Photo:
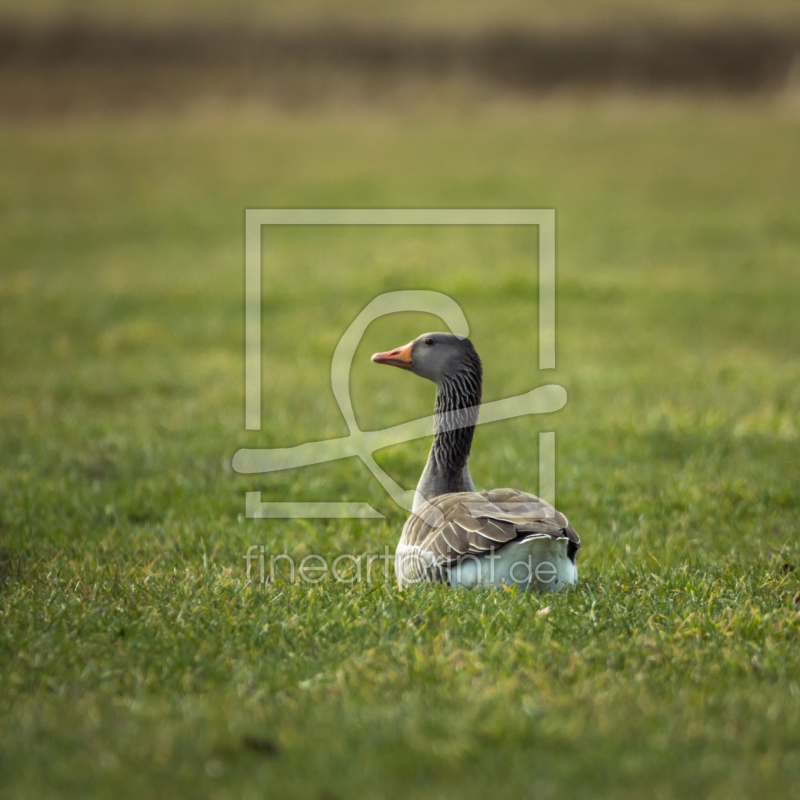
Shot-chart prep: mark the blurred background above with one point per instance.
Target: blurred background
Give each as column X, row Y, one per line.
column 66, row 57
column 133, row 139
column 665, row 135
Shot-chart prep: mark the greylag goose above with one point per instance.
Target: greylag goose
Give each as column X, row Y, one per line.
column 455, row 535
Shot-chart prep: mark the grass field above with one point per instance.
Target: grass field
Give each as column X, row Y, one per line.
column 135, row 659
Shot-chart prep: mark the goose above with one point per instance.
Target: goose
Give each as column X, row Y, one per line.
column 455, row 535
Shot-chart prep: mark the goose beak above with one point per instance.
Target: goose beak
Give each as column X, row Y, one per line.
column 400, row 357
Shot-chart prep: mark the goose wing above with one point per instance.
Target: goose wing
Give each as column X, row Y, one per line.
column 475, row 523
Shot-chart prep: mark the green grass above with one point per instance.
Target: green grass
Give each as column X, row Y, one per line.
column 135, row 660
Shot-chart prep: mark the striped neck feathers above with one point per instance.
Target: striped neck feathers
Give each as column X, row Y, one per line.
column 458, row 397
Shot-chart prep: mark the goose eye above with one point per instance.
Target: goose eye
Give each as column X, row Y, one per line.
column 429, row 342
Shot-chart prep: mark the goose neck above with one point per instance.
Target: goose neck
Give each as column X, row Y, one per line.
column 455, row 415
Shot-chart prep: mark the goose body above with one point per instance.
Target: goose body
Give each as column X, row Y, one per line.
column 455, row 535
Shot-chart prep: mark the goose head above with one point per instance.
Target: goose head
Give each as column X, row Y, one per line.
column 439, row 357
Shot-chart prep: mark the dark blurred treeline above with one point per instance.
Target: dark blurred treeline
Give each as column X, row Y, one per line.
column 62, row 66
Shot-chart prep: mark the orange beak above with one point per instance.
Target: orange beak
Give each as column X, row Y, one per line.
column 401, row 357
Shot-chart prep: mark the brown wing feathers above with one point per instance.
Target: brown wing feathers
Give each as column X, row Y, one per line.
column 477, row 522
